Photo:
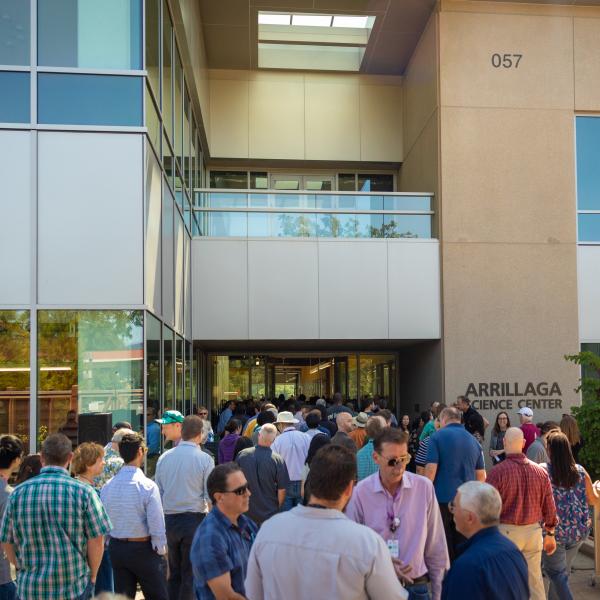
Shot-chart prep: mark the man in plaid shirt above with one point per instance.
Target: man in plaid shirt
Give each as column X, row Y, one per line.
column 52, row 530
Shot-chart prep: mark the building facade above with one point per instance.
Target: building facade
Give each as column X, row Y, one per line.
column 202, row 201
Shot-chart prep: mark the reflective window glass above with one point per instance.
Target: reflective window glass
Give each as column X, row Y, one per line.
column 259, row 181
column 226, row 224
column 407, row 203
column 218, row 200
column 167, row 77
column 186, row 165
column 375, row 183
column 153, row 45
column 282, row 225
column 88, row 33
column 406, row 226
column 14, row 33
column 168, row 161
column 179, row 374
column 14, row 373
column 188, row 375
column 168, row 351
column 178, row 104
column 89, row 99
column 154, row 390
column 153, row 122
column 229, row 180
column 589, row 227
column 89, row 361
column 588, row 163
column 14, row 97
column 346, row 182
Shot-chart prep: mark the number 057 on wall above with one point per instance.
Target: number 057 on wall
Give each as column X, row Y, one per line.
column 506, row 61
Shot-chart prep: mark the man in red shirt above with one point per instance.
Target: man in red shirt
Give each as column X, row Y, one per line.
column 527, row 501
column 529, row 429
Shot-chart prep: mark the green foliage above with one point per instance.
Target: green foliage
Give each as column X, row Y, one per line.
column 588, row 414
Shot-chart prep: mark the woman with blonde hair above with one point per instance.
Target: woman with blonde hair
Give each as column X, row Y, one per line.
column 569, row 427
column 87, row 464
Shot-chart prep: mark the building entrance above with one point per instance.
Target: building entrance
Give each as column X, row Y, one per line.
column 267, row 376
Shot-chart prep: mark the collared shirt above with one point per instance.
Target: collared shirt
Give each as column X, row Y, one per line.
column 428, row 429
column 490, row 566
column 134, row 507
column 153, row 437
column 458, row 455
column 365, row 465
column 293, row 446
column 420, row 532
column 311, row 433
column 526, row 491
column 320, row 553
column 224, row 418
column 359, row 436
column 5, row 492
column 537, row 452
column 220, row 547
column 181, row 475
column 49, row 519
column 112, row 463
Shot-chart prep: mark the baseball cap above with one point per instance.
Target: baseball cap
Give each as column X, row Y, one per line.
column 170, row 416
column 526, row 411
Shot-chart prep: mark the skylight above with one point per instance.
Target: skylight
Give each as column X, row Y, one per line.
column 273, row 19
column 312, row 20
column 307, row 20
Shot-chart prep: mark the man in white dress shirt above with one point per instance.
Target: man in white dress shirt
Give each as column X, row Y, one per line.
column 292, row 445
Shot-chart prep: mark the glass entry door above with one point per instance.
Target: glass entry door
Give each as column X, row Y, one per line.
column 311, row 183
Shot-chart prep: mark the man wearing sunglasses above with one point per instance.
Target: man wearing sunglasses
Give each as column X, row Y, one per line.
column 401, row 507
column 222, row 542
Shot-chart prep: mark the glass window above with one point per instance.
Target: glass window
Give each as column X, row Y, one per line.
column 588, row 163
column 168, row 350
column 406, row 226
column 167, row 78
column 226, row 224
column 230, row 379
column 153, row 45
column 89, row 99
column 378, row 378
column 153, row 123
column 229, row 180
column 178, row 103
column 154, row 390
column 14, row 98
column 179, row 374
column 259, row 181
column 188, row 376
column 89, row 362
column 589, row 227
column 186, row 165
column 14, row 373
column 168, row 161
column 347, row 182
column 91, row 34
column 14, row 33
column 282, row 225
column 407, row 203
column 375, row 183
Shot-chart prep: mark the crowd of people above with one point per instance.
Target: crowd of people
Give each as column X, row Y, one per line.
column 299, row 499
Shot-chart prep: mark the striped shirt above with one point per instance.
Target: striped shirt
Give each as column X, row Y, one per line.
column 49, row 520
column 365, row 465
column 134, row 507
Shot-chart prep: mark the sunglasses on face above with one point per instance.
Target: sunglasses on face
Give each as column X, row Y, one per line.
column 238, row 491
column 395, row 462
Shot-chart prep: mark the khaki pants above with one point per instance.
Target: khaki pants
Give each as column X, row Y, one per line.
column 528, row 539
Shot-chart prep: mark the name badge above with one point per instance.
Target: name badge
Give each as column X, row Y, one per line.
column 393, row 548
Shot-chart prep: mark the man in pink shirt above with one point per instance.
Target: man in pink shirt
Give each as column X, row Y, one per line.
column 402, row 508
column 529, row 429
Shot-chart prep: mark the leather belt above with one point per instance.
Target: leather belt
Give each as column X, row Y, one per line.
column 140, row 539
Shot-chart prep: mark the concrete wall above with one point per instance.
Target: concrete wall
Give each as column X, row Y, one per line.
column 305, row 116
column 508, row 218
column 309, row 289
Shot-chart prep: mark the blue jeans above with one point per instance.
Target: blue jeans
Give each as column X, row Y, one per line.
column 104, row 579
column 88, row 592
column 418, row 592
column 292, row 495
column 557, row 568
column 8, row 591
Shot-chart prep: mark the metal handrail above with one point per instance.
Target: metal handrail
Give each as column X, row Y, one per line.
column 328, row 211
column 310, row 192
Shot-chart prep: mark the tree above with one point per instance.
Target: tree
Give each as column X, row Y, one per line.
column 588, row 414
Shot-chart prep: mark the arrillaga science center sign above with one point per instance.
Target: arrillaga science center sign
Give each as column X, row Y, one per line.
column 512, row 396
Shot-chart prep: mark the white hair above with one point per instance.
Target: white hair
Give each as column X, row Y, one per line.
column 268, row 432
column 482, row 499
column 119, row 433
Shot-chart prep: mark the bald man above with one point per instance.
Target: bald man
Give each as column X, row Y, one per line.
column 527, row 501
column 345, row 424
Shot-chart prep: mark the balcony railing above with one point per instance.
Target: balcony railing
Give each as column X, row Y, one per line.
column 276, row 214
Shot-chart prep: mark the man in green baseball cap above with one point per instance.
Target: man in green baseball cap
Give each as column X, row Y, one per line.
column 171, row 426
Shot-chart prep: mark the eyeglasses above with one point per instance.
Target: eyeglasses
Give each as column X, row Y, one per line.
column 394, row 462
column 238, row 491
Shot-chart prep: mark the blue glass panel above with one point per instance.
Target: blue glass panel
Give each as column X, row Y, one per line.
column 99, row 35
column 589, row 227
column 282, row 225
column 258, row 200
column 224, row 200
column 227, row 224
column 407, row 203
column 407, row 226
column 588, row 163
column 89, row 99
column 14, row 97
column 292, row 201
column 15, row 46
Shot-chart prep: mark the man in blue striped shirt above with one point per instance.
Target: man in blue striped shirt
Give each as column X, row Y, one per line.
column 138, row 539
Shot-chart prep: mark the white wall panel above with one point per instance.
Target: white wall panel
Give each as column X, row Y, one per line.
column 179, row 271
column 188, row 287
column 283, row 289
column 90, row 218
column 588, row 273
column 168, row 241
column 220, row 289
column 153, row 243
column 353, row 290
column 414, row 290
column 15, row 217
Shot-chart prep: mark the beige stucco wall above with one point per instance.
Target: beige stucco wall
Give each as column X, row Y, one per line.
column 508, row 201
column 305, row 116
